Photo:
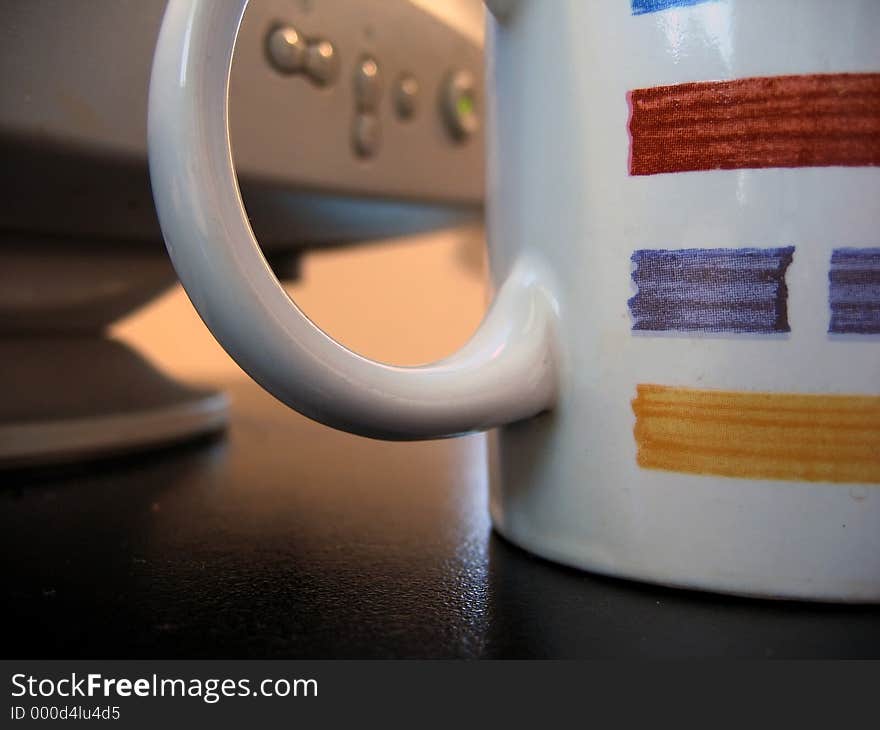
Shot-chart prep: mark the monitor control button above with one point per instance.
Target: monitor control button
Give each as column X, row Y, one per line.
column 367, row 84
column 286, row 49
column 322, row 62
column 458, row 103
column 406, row 96
column 367, row 134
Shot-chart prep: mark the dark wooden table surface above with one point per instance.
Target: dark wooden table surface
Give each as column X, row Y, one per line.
column 286, row 539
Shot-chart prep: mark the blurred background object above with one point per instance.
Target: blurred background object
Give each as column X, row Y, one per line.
column 406, row 302
column 80, row 246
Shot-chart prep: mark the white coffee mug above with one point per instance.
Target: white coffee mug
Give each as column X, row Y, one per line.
column 682, row 358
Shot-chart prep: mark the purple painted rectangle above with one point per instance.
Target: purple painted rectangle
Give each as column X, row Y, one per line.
column 640, row 7
column 854, row 291
column 739, row 290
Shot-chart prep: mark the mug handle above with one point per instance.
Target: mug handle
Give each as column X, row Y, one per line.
column 506, row 371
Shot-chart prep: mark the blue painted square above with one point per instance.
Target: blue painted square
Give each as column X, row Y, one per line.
column 738, row 290
column 640, row 7
column 854, row 291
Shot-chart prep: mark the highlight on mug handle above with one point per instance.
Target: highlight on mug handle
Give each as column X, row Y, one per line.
column 506, row 371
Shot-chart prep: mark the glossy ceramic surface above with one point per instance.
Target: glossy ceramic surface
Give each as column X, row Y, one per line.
column 569, row 484
column 503, row 374
column 588, row 205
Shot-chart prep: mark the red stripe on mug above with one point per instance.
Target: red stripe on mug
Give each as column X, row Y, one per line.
column 779, row 121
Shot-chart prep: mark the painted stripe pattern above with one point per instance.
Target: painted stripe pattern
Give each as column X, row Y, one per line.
column 739, row 290
column 640, row 7
column 833, row 438
column 781, row 121
column 854, row 291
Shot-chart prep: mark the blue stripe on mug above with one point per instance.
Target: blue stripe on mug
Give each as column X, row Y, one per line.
column 854, row 292
column 740, row 290
column 640, row 7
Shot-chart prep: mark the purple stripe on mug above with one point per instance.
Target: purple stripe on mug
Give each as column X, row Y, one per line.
column 854, row 291
column 739, row 290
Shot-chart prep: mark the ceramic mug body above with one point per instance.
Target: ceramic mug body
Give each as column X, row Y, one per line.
column 682, row 357
column 701, row 179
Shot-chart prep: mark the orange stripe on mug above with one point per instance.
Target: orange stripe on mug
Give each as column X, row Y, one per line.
column 802, row 437
column 778, row 121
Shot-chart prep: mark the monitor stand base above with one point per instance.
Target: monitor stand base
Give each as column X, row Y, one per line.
column 72, row 398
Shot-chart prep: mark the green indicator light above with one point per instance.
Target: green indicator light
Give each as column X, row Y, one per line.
column 464, row 105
